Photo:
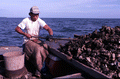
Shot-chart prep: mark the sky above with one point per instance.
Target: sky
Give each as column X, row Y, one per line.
column 62, row 8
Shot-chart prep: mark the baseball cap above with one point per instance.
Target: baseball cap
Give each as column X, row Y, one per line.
column 34, row 10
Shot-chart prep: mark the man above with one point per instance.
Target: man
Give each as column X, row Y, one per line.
column 35, row 50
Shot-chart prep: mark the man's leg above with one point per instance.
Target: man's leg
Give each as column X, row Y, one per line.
column 36, row 53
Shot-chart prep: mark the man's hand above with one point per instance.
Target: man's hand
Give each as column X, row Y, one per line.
column 49, row 37
column 28, row 35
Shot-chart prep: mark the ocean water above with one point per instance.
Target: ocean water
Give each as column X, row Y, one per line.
column 62, row 28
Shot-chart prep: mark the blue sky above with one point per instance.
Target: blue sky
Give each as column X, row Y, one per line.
column 62, row 8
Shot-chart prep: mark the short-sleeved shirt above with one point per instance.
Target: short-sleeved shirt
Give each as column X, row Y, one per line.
column 31, row 27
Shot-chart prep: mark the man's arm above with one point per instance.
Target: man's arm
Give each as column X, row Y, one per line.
column 18, row 29
column 46, row 27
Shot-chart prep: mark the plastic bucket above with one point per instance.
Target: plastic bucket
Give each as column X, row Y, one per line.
column 14, row 60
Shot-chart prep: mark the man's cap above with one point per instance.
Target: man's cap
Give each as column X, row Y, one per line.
column 34, row 10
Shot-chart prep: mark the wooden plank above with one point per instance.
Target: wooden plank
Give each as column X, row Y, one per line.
column 76, row 75
column 92, row 72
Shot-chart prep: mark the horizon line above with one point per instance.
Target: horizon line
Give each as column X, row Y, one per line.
column 64, row 17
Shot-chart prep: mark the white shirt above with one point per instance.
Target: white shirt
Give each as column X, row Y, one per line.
column 31, row 27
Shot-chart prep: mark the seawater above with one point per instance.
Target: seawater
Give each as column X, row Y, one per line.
column 62, row 28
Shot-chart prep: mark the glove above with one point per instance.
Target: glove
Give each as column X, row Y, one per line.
column 49, row 37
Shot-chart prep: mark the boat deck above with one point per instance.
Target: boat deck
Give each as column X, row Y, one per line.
column 29, row 68
column 70, row 66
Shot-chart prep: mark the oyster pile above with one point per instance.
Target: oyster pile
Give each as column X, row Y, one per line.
column 99, row 50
